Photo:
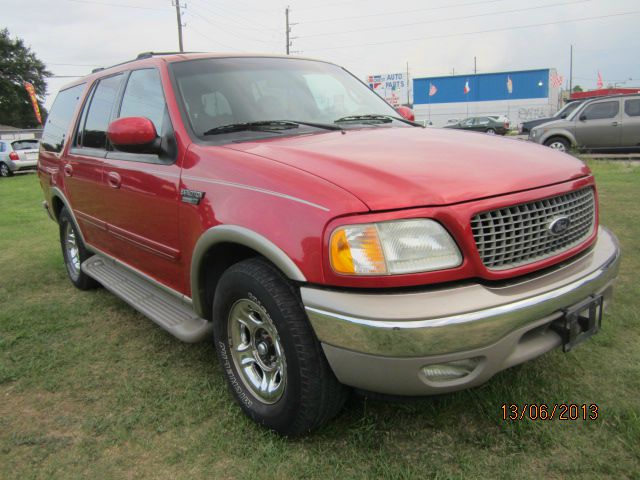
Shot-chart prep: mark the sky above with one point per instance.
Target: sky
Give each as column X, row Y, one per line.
column 434, row 37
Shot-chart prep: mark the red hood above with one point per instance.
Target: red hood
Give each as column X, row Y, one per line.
column 390, row 168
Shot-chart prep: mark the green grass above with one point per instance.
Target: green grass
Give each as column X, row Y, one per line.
column 91, row 389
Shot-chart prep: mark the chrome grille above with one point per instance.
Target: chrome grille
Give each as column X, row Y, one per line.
column 513, row 236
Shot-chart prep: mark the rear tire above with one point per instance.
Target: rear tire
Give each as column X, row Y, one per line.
column 74, row 252
column 558, row 143
column 5, row 171
column 273, row 363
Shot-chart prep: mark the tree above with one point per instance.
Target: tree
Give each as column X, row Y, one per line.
column 577, row 88
column 18, row 64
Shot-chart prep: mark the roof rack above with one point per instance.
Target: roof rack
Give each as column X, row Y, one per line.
column 153, row 54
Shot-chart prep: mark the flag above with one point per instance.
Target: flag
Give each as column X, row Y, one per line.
column 509, row 84
column 556, row 80
column 432, row 89
column 466, row 87
column 34, row 101
column 600, row 82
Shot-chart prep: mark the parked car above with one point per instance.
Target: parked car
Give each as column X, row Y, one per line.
column 17, row 155
column 607, row 123
column 489, row 124
column 279, row 208
column 564, row 112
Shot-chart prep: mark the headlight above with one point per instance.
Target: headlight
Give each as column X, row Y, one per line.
column 391, row 248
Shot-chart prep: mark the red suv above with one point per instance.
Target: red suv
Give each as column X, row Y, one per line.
column 281, row 208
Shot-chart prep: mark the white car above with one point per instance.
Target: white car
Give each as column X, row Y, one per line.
column 18, row 155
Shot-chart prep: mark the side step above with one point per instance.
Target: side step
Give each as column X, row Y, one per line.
column 163, row 308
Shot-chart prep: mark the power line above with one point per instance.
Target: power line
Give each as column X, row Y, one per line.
column 447, row 35
column 231, row 32
column 108, row 4
column 72, row 64
column 212, row 40
column 503, row 12
column 234, row 18
column 388, row 14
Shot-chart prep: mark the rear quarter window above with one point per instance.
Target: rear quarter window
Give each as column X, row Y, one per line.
column 60, row 117
column 632, row 107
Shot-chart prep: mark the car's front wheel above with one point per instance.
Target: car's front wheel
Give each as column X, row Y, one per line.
column 5, row 171
column 490, row 131
column 558, row 143
column 273, row 363
column 74, row 252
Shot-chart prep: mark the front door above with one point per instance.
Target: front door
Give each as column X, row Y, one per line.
column 631, row 123
column 598, row 125
column 142, row 190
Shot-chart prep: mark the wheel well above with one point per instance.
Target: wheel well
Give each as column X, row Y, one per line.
column 217, row 259
column 561, row 137
column 56, row 206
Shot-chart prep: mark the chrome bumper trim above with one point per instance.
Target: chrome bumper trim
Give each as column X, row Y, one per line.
column 466, row 317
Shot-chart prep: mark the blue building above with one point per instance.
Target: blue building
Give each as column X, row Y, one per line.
column 520, row 95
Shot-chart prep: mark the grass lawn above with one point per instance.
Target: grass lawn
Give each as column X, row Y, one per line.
column 91, row 389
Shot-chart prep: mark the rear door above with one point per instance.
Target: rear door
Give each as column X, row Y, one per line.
column 598, row 124
column 141, row 191
column 631, row 123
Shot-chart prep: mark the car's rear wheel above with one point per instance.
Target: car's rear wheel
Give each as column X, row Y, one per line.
column 273, row 363
column 5, row 171
column 74, row 252
column 558, row 143
column 490, row 131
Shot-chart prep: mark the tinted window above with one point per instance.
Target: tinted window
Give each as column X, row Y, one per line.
column 94, row 133
column 25, row 145
column 143, row 97
column 2, row 147
column 60, row 117
column 602, row 110
column 632, row 107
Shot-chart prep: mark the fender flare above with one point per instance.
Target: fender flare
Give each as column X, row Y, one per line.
column 241, row 236
column 559, row 133
column 56, row 192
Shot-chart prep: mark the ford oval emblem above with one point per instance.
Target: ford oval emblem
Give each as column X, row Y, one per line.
column 559, row 225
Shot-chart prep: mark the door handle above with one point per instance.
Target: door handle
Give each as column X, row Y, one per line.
column 114, row 180
column 614, row 124
column 68, row 170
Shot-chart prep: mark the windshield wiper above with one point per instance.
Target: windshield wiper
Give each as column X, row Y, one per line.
column 268, row 126
column 382, row 118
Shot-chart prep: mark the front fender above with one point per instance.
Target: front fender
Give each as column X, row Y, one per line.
column 241, row 236
column 558, row 132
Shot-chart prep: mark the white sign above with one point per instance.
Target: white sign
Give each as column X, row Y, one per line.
column 392, row 87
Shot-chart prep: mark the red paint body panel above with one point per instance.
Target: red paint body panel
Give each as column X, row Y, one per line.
column 295, row 190
column 132, row 131
column 395, row 168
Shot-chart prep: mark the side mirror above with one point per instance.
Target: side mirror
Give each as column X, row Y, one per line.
column 406, row 112
column 134, row 135
column 564, row 115
column 583, row 117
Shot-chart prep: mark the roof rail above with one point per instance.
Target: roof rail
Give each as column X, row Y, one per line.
column 97, row 69
column 153, row 54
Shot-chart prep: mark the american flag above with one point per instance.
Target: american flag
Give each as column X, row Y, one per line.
column 556, row 80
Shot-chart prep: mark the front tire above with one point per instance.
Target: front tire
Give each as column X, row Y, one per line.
column 490, row 131
column 273, row 363
column 558, row 143
column 5, row 171
column 74, row 252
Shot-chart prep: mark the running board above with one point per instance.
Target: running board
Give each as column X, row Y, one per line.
column 163, row 308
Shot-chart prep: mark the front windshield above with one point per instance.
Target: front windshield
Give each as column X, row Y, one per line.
column 566, row 110
column 223, row 91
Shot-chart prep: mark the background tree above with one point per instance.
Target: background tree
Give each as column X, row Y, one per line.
column 577, row 88
column 18, row 64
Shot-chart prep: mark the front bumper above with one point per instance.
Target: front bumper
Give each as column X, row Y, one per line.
column 381, row 342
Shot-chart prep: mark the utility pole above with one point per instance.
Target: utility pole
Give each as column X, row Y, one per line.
column 287, row 27
column 179, row 18
column 475, row 66
column 408, row 83
column 571, row 71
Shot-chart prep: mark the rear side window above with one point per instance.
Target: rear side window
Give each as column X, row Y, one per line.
column 94, row 132
column 2, row 147
column 60, row 117
column 602, row 110
column 632, row 107
column 25, row 145
column 143, row 97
